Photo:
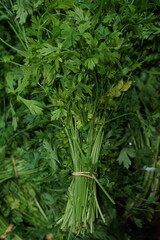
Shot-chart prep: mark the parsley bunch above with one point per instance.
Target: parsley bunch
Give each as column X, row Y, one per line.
column 67, row 71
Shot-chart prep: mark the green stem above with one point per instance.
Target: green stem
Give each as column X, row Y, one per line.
column 24, row 46
column 40, row 209
column 123, row 115
column 106, row 193
column 7, row 44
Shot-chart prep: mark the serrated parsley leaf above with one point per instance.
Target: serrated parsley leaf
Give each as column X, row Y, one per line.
column 32, row 105
column 125, row 155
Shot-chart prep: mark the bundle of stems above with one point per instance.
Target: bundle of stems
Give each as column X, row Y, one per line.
column 12, row 168
column 83, row 208
column 151, row 181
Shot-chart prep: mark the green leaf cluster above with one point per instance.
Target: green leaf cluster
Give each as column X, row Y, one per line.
column 79, row 91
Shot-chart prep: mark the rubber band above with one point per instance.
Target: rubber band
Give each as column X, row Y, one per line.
column 85, row 174
column 9, row 229
column 49, row 236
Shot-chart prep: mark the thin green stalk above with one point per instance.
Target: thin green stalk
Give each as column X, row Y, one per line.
column 99, row 209
column 106, row 193
column 120, row 116
column 24, row 46
column 7, row 44
column 40, row 209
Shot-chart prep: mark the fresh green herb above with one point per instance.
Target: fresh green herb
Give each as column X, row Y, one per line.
column 79, row 93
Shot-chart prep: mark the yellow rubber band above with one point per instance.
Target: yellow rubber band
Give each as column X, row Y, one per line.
column 9, row 229
column 85, row 174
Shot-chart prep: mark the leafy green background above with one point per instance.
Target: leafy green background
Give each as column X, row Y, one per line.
column 57, row 57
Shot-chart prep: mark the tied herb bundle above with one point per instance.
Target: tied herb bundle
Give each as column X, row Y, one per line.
column 73, row 61
column 145, row 145
column 82, row 208
column 11, row 168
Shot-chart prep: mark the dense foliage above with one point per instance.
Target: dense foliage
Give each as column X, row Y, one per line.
column 79, row 92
